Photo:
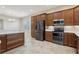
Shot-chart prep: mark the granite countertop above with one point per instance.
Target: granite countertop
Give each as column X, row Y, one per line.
column 10, row 31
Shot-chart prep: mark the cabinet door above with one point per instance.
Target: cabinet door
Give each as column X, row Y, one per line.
column 33, row 22
column 69, row 39
column 33, row 26
column 58, row 15
column 49, row 21
column 48, row 36
column 72, row 40
column 42, row 17
column 66, row 39
column 76, row 16
column 38, row 17
column 68, row 16
column 3, row 45
column 77, row 46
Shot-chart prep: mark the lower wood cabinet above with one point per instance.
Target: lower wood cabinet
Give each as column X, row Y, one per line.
column 3, row 43
column 10, row 41
column 48, row 36
column 70, row 39
column 77, row 46
column 14, row 40
column 33, row 33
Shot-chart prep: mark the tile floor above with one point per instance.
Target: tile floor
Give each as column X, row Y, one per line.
column 41, row 47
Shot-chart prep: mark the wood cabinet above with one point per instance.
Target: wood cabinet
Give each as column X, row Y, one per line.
column 76, row 15
column 70, row 39
column 48, row 36
column 3, row 44
column 68, row 16
column 0, row 46
column 9, row 41
column 42, row 16
column 14, row 40
column 33, row 26
column 58, row 15
column 77, row 46
column 49, row 21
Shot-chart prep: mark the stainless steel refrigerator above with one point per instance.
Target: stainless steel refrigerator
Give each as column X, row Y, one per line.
column 40, row 30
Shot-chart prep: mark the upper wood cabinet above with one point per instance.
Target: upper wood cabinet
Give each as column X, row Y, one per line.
column 76, row 15
column 58, row 15
column 49, row 21
column 33, row 25
column 42, row 17
column 33, row 22
column 68, row 16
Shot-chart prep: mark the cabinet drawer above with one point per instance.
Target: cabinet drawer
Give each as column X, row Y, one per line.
column 10, row 36
column 13, row 45
column 20, row 35
column 13, row 37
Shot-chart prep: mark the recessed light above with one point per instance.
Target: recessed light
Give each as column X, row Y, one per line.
column 3, row 6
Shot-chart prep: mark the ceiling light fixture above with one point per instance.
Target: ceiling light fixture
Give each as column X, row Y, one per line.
column 11, row 20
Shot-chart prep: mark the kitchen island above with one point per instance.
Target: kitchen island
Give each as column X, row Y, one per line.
column 11, row 39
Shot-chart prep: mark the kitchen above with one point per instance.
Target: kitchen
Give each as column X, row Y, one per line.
column 55, row 26
column 61, row 27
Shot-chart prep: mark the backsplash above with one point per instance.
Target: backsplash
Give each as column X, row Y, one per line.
column 70, row 29
column 49, row 28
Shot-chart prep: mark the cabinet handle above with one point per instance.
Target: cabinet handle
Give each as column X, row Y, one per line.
column 0, row 41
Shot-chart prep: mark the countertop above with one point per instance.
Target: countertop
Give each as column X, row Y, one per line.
column 67, row 29
column 10, row 31
column 75, row 32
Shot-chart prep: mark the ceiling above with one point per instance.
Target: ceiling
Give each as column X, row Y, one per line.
column 23, row 10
